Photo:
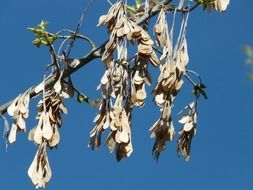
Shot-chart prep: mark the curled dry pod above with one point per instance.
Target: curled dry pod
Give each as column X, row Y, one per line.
column 13, row 133
column 221, row 5
column 141, row 93
column 154, row 59
column 38, row 135
column 111, row 142
column 12, row 108
column 184, row 119
column 39, row 171
column 145, row 49
column 47, row 131
column 57, row 85
column 159, row 99
column 31, row 134
column 21, row 123
column 102, row 20
column 54, row 141
column 188, row 126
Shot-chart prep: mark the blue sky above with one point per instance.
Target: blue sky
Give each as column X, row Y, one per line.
column 221, row 156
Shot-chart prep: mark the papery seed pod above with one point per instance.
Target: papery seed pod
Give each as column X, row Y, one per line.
column 39, row 171
column 19, row 110
column 50, row 111
column 221, row 5
column 189, row 120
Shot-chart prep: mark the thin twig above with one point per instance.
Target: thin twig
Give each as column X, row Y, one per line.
column 80, row 36
column 78, row 28
column 109, row 2
column 187, row 9
column 53, row 53
column 190, row 80
column 196, row 74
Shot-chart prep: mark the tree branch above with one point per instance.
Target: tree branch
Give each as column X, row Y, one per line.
column 92, row 44
column 76, row 64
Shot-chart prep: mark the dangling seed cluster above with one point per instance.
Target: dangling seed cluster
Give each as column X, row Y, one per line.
column 123, row 87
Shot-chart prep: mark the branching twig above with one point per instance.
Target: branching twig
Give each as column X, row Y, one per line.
column 78, row 28
column 196, row 74
column 80, row 36
column 190, row 80
column 184, row 10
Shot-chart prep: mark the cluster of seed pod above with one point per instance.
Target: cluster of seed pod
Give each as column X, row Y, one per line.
column 49, row 115
column 123, row 87
column 115, row 82
column 189, row 120
column 46, row 133
column 40, row 171
column 19, row 110
column 173, row 65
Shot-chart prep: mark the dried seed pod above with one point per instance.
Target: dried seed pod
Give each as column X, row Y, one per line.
column 189, row 120
column 49, row 120
column 114, row 83
column 221, row 5
column 19, row 110
column 173, row 66
column 162, row 131
column 39, row 171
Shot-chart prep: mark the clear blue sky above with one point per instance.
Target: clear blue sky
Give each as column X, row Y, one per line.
column 221, row 156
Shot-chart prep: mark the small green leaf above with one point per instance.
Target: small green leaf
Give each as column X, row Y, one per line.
column 199, row 89
column 195, row 92
column 44, row 42
column 31, row 29
column 43, row 25
column 130, row 8
column 81, row 98
column 138, row 3
column 42, row 37
column 202, row 85
column 37, row 42
column 55, row 37
column 203, row 93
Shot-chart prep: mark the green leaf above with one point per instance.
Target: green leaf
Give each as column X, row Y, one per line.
column 43, row 25
column 31, row 29
column 199, row 89
column 203, row 93
column 130, row 8
column 37, row 42
column 42, row 37
column 138, row 3
column 202, row 85
column 81, row 98
column 55, row 37
column 44, row 42
column 195, row 92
